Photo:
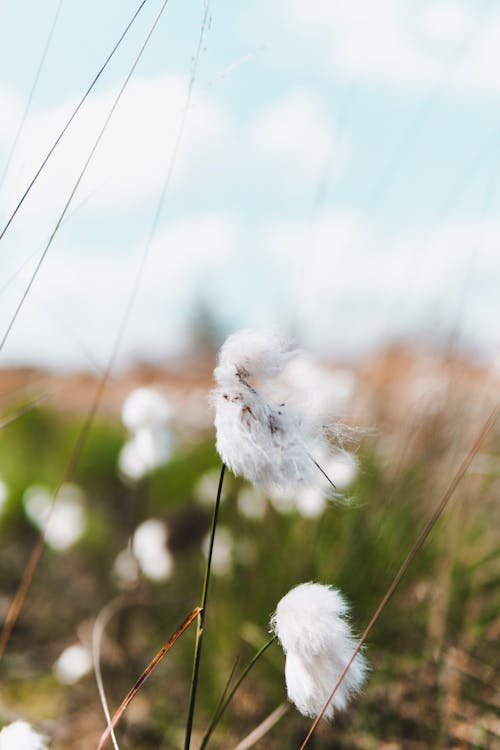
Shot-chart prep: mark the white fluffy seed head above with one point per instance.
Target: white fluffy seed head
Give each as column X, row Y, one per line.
column 261, row 438
column 312, row 626
column 257, row 354
column 20, row 736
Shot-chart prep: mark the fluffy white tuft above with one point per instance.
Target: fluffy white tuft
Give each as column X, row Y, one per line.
column 312, row 626
column 146, row 414
column 145, row 408
column 20, row 736
column 258, row 436
column 254, row 353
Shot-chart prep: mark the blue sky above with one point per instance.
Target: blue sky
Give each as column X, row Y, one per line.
column 337, row 172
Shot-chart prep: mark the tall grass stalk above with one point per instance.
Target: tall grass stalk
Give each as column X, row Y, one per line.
column 227, row 700
column 487, row 427
column 101, row 621
column 81, row 175
column 264, row 727
column 144, row 676
column 201, row 618
column 20, row 595
column 31, row 94
column 70, row 120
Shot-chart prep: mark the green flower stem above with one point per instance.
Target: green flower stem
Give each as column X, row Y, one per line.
column 219, row 712
column 201, row 618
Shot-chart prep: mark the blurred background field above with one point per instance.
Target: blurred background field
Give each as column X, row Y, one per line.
column 433, row 653
column 329, row 169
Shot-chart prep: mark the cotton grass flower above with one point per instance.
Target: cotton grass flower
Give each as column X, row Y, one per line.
column 259, row 436
column 311, row 623
column 73, row 664
column 146, row 414
column 20, row 736
column 149, row 545
column 145, row 408
column 66, row 518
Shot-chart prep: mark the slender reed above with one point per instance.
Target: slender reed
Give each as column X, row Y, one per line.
column 25, row 409
column 490, row 422
column 226, row 701
column 20, row 595
column 197, row 611
column 80, row 177
column 31, row 95
column 100, row 623
column 201, row 619
column 264, row 727
column 70, row 120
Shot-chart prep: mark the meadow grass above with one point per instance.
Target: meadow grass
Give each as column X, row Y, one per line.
column 431, row 651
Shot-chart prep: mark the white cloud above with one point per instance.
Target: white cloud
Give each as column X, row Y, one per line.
column 405, row 43
column 296, row 136
column 81, row 293
column 445, row 22
column 11, row 108
column 131, row 162
column 357, row 285
column 348, row 283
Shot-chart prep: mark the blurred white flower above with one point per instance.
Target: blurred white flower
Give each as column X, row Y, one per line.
column 20, row 736
column 258, row 436
column 312, row 626
column 146, row 414
column 3, row 495
column 205, row 489
column 281, row 500
column 73, row 664
column 222, row 552
column 324, row 390
column 310, row 501
column 145, row 408
column 149, row 545
column 67, row 517
column 342, row 467
column 146, row 450
column 252, row 503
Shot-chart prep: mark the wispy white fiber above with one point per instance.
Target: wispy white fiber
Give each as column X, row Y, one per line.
column 311, row 623
column 259, row 435
column 20, row 736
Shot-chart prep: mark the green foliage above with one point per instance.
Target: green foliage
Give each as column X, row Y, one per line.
column 357, row 544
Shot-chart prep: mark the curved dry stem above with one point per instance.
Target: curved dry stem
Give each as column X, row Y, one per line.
column 264, row 727
column 100, row 624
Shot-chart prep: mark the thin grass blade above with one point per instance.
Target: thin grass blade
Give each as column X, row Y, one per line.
column 485, row 431
column 144, row 676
